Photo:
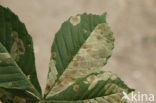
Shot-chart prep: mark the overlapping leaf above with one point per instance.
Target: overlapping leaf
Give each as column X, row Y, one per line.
column 17, row 63
column 100, row 87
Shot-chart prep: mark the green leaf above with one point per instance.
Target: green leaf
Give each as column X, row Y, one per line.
column 100, row 87
column 17, row 62
column 114, row 98
column 80, row 49
column 12, row 77
column 81, row 46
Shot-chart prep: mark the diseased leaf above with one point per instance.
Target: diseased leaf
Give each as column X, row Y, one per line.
column 80, row 49
column 94, row 87
column 114, row 98
column 81, row 46
column 12, row 77
column 17, row 62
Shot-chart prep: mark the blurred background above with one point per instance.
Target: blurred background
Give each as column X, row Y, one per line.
column 132, row 21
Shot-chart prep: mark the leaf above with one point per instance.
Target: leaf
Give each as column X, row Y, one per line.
column 11, row 76
column 17, row 62
column 80, row 49
column 100, row 87
column 81, row 46
column 114, row 98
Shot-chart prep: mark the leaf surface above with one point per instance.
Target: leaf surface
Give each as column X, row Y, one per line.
column 99, row 87
column 80, row 49
column 17, row 62
column 83, row 44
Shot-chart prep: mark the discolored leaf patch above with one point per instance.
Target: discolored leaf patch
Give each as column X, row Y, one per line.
column 17, row 47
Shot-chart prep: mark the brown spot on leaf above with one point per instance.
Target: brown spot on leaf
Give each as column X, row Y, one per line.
column 76, row 88
column 48, row 87
column 20, row 46
column 31, row 88
column 89, row 50
column 59, row 82
column 73, row 71
column 75, row 63
column 98, row 37
column 75, row 20
column 53, row 54
column 89, row 68
column 84, row 46
column 68, row 77
column 21, row 49
column 84, row 31
column 9, row 61
column 101, row 32
column 85, row 101
column 17, row 47
column 92, row 78
column 99, row 27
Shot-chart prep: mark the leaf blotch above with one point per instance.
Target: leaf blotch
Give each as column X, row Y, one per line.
column 8, row 61
column 76, row 63
column 53, row 54
column 17, row 47
column 84, row 31
column 76, row 88
column 84, row 46
column 48, row 87
column 75, row 20
column 89, row 50
column 85, row 101
column 31, row 88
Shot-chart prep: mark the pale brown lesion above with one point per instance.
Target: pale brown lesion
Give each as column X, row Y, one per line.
column 84, row 46
column 75, row 20
column 99, row 37
column 48, row 87
column 76, row 88
column 31, row 88
column 59, row 82
column 85, row 101
column 17, row 47
column 9, row 61
column 20, row 46
column 75, row 64
column 53, row 54
column 91, row 78
column 89, row 50
column 84, row 31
